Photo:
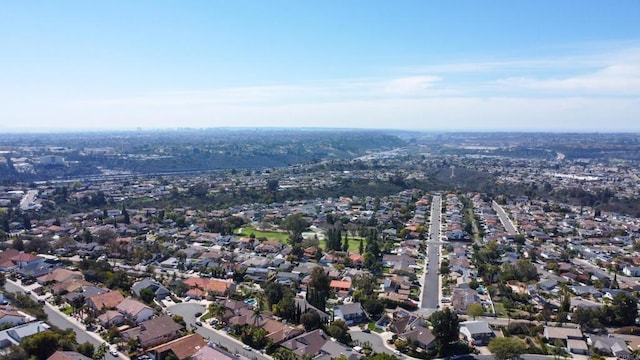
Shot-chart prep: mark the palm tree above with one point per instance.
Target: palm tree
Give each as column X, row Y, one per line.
column 257, row 315
column 219, row 311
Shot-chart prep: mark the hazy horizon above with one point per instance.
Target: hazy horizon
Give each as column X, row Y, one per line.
column 543, row 66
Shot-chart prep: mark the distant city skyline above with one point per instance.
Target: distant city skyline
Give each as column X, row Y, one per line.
column 414, row 65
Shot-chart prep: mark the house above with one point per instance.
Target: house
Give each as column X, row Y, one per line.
column 579, row 347
column 110, row 318
column 15, row 335
column 333, row 350
column 402, row 321
column 476, row 333
column 60, row 275
column 134, row 309
column 611, row 346
column 278, row 331
column 307, row 344
column 562, row 333
column 182, row 348
column 341, row 287
column 631, row 271
column 421, row 336
column 5, row 259
column 153, row 332
column 199, row 287
column 213, row 352
column 170, row 263
column 23, row 260
column 108, row 300
column 67, row 355
column 351, row 314
column 9, row 316
column 463, row 297
column 160, row 291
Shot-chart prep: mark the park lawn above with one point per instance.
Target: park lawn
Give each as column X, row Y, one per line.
column 269, row 235
column 354, row 245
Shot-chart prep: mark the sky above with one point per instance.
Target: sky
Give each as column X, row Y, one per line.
column 543, row 65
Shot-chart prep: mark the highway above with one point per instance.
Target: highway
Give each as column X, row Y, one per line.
column 431, row 279
column 504, row 219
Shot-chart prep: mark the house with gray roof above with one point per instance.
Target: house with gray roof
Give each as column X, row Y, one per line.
column 611, row 346
column 350, row 313
column 15, row 335
column 158, row 289
column 477, row 333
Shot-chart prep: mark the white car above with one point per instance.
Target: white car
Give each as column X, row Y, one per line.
column 113, row 352
column 246, row 347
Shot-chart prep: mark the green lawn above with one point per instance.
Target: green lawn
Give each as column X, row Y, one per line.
column 67, row 310
column 270, row 235
column 354, row 245
column 500, row 310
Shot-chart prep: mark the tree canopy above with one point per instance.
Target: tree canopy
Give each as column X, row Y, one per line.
column 504, row 348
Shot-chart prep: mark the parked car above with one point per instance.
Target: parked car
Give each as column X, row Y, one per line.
column 198, row 323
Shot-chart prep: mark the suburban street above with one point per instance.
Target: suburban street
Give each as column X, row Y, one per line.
column 375, row 340
column 56, row 318
column 431, row 279
column 218, row 337
column 504, row 219
column 28, row 199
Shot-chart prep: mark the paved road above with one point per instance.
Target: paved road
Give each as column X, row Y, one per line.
column 218, row 337
column 62, row 321
column 431, row 279
column 377, row 342
column 28, row 199
column 504, row 219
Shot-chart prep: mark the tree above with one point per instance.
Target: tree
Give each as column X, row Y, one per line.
column 445, row 327
column 41, row 345
column 311, row 320
column 475, row 310
column 383, row 356
column 507, row 347
column 18, row 244
column 257, row 315
column 625, row 309
column 100, row 352
column 86, row 348
column 318, row 288
column 147, row 295
column 295, row 224
column 340, row 331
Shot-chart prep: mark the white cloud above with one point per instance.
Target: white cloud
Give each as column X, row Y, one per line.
column 619, row 79
column 411, row 85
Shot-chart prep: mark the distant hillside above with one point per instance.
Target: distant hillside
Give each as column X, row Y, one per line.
column 186, row 150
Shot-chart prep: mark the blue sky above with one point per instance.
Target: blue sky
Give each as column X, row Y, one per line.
column 426, row 65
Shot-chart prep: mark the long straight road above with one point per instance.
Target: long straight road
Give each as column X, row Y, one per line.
column 504, row 219
column 431, row 280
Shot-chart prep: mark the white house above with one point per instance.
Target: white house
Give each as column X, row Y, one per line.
column 12, row 317
column 631, row 271
column 138, row 311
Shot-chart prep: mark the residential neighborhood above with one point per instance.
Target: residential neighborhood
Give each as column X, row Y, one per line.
column 411, row 274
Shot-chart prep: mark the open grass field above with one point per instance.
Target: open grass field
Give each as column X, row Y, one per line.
column 354, row 245
column 269, row 235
